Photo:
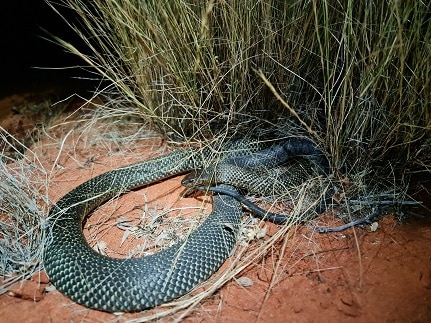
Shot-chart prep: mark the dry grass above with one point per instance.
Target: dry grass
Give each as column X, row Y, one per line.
column 23, row 203
column 356, row 75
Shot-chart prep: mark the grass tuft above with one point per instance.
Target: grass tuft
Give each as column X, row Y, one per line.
column 356, row 75
column 22, row 214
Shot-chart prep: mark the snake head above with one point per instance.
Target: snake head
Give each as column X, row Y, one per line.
column 197, row 178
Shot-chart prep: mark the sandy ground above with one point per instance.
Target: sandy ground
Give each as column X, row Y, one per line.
column 355, row 275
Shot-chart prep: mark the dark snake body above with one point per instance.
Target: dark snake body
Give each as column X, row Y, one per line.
column 114, row 285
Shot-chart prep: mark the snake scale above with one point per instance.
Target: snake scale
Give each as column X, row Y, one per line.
column 118, row 285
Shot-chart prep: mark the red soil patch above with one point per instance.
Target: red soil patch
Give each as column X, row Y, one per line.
column 355, row 275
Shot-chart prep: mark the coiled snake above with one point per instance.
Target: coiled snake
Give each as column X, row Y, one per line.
column 113, row 285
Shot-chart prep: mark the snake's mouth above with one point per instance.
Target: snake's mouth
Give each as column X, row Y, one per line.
column 189, row 182
column 189, row 191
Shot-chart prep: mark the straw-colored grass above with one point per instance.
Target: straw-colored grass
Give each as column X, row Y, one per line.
column 356, row 74
column 23, row 203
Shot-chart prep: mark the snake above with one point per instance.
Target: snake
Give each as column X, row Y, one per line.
column 127, row 285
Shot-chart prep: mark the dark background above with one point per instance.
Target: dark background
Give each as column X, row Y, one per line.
column 27, row 59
